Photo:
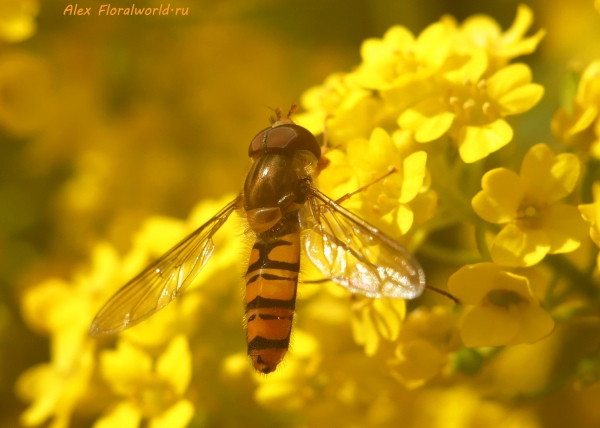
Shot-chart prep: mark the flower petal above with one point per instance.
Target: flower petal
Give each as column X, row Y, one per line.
column 429, row 119
column 519, row 27
column 124, row 365
column 521, row 99
column 177, row 416
column 585, row 120
column 501, row 195
column 419, row 361
column 548, row 177
column 518, row 247
column 414, row 172
column 535, row 324
column 124, row 415
column 404, row 218
column 476, row 142
column 507, row 80
column 472, row 282
column 175, row 363
column 488, row 326
column 565, row 228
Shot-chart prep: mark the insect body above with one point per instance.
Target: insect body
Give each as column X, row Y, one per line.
column 285, row 212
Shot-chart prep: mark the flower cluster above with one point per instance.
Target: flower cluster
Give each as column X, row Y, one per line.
column 452, row 82
column 425, row 126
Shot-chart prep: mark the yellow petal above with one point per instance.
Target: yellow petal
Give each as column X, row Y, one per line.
column 42, row 385
column 404, row 218
column 488, row 326
column 587, row 117
column 279, row 395
column 40, row 302
column 419, row 360
column 519, row 27
column 507, row 80
column 177, row 416
column 429, row 119
column 518, row 247
column 414, row 173
column 364, row 329
column 501, row 196
column 472, row 282
column 159, row 234
column 535, row 324
column 589, row 85
column 388, row 315
column 512, row 43
column 434, row 127
column 471, row 70
column 175, row 363
column 590, row 212
column 508, row 281
column 522, row 47
column 481, row 29
column 476, row 142
column 433, row 44
column 521, row 99
column 548, row 177
column 565, row 228
column 124, row 415
column 124, row 365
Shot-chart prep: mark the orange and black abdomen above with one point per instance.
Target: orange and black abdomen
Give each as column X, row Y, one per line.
column 271, row 282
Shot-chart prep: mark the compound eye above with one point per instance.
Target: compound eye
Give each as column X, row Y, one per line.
column 287, row 136
column 258, row 143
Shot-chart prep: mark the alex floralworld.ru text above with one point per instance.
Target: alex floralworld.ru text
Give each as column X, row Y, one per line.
column 107, row 10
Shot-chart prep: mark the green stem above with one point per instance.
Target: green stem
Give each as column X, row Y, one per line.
column 589, row 176
column 484, row 251
column 561, row 265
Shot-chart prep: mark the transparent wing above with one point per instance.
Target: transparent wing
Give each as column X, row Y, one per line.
column 355, row 254
column 161, row 282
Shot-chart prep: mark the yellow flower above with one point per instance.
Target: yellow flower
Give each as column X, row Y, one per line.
column 373, row 319
column 55, row 390
column 464, row 406
column 17, row 19
column 385, row 204
column 426, row 340
column 579, row 125
column 527, row 204
column 471, row 109
column 289, row 386
column 349, row 109
column 149, row 390
column 399, row 58
column 500, row 307
column 64, row 311
column 483, row 32
column 591, row 213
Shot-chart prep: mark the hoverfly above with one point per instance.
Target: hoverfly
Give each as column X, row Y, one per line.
column 285, row 212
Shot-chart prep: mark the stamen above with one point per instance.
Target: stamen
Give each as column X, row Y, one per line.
column 487, row 109
column 469, row 105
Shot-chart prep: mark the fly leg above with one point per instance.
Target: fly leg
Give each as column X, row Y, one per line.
column 391, row 171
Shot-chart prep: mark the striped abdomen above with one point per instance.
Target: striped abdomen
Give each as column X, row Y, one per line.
column 271, row 282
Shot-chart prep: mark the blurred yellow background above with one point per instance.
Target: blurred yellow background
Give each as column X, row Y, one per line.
column 106, row 120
